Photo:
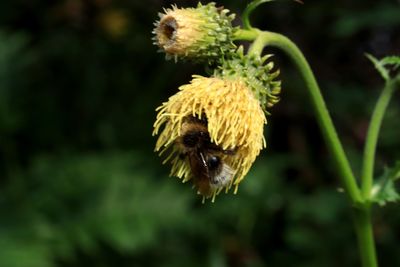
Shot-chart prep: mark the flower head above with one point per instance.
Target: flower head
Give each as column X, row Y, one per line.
column 203, row 33
column 229, row 111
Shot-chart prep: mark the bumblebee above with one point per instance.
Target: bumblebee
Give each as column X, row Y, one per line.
column 206, row 159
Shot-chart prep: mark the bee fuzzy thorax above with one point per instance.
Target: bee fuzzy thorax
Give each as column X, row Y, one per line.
column 223, row 178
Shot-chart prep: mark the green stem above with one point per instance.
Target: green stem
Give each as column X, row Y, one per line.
column 249, row 9
column 246, row 35
column 362, row 208
column 365, row 236
column 372, row 138
column 325, row 122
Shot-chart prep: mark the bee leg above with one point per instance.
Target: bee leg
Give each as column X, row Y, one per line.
column 230, row 151
column 214, row 147
column 203, row 160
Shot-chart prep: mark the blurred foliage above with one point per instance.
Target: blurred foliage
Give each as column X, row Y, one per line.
column 80, row 185
column 384, row 190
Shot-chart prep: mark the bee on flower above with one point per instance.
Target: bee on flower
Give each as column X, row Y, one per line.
column 211, row 131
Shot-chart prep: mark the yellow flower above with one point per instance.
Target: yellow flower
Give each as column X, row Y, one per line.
column 211, row 131
column 235, row 122
column 202, row 33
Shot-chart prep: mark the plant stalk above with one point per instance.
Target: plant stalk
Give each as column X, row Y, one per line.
column 372, row 138
column 361, row 207
column 325, row 122
column 365, row 236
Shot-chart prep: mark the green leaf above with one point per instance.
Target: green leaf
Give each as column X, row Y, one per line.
column 391, row 60
column 385, row 65
column 384, row 189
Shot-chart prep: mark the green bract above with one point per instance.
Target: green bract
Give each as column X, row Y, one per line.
column 257, row 75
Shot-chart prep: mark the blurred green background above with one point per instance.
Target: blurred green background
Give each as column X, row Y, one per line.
column 81, row 186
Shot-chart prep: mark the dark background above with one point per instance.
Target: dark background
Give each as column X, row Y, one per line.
column 81, row 186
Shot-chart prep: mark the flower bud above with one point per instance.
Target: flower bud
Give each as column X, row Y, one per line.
column 203, row 33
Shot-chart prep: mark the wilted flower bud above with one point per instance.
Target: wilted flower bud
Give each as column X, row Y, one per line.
column 203, row 33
